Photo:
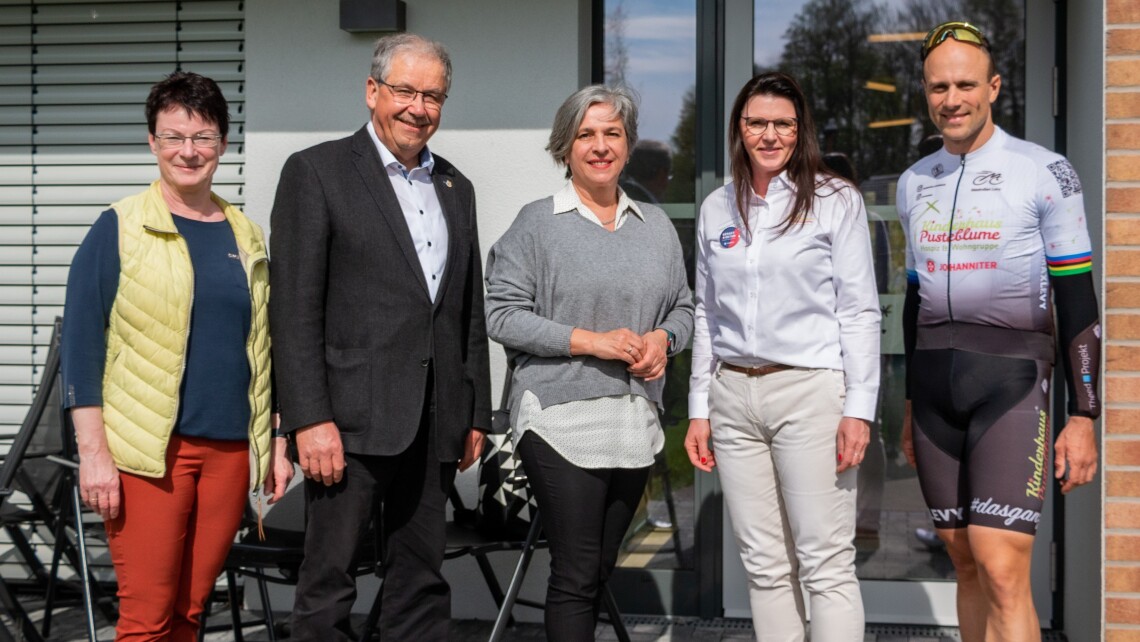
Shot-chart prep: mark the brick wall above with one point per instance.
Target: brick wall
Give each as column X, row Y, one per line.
column 1122, row 324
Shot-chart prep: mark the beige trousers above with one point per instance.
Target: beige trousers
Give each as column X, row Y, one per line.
column 792, row 516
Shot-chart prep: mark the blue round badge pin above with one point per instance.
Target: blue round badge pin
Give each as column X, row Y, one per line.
column 729, row 237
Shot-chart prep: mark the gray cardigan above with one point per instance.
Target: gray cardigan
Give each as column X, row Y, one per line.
column 551, row 273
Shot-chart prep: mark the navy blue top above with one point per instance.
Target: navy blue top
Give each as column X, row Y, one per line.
column 215, row 385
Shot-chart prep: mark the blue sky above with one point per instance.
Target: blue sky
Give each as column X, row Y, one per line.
column 772, row 20
column 661, row 36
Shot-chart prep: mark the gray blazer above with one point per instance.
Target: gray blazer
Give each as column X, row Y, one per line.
column 354, row 330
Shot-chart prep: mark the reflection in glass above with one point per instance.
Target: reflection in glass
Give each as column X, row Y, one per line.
column 859, row 63
column 650, row 46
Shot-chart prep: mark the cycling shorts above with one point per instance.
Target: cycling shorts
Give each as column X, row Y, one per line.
column 981, row 437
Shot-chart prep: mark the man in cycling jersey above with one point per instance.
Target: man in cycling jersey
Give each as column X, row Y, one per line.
column 996, row 239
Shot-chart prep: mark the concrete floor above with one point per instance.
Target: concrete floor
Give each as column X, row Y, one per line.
column 69, row 625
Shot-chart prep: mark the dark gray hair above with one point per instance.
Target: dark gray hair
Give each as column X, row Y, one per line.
column 397, row 43
column 569, row 117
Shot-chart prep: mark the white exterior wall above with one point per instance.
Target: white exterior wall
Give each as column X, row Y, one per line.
column 514, row 63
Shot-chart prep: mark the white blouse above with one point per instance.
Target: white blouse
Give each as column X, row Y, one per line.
column 805, row 299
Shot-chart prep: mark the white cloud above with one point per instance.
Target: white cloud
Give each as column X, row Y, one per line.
column 662, row 64
column 673, row 28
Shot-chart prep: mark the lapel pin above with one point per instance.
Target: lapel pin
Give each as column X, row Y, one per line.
column 447, row 182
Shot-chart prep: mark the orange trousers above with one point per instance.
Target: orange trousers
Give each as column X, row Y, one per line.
column 172, row 536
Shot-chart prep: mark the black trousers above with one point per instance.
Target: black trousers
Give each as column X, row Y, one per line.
column 585, row 514
column 413, row 487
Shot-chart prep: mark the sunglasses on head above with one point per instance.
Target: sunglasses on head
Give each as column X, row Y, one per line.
column 960, row 31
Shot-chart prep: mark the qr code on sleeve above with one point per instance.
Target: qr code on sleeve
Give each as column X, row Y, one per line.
column 1066, row 177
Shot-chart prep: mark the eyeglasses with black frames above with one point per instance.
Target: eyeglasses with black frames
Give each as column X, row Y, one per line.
column 960, row 31
column 757, row 126
column 201, row 141
column 406, row 96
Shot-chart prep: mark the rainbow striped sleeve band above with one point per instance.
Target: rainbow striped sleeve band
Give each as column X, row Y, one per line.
column 1070, row 264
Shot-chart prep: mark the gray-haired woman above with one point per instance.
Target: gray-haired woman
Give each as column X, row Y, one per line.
column 587, row 291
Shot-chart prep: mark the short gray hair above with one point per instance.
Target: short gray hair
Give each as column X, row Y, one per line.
column 569, row 117
column 397, row 43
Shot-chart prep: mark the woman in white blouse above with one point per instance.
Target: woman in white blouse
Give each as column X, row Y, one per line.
column 786, row 363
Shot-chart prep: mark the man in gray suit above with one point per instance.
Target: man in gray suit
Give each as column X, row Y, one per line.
column 379, row 345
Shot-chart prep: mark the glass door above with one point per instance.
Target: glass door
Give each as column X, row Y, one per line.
column 859, row 65
column 649, row 46
column 858, row 62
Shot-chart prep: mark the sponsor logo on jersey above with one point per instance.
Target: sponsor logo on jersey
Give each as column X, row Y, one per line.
column 959, row 234
column 984, row 223
column 1035, row 486
column 1011, row 513
column 921, row 191
column 1086, row 373
column 729, row 236
column 945, row 514
column 930, row 267
column 1043, row 289
column 937, row 170
column 988, row 177
column 967, row 266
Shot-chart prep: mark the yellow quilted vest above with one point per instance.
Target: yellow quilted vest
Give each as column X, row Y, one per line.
column 149, row 328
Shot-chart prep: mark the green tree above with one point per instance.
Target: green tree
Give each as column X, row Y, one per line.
column 1002, row 20
column 828, row 53
column 682, row 189
column 831, row 53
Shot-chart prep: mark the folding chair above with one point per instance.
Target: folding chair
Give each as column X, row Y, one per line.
column 89, row 601
column 464, row 539
column 35, row 478
column 29, row 473
column 506, row 602
column 274, row 560
column 528, row 546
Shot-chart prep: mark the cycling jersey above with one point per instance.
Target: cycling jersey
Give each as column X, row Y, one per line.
column 987, row 234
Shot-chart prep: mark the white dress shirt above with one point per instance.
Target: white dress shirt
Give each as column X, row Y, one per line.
column 420, row 204
column 805, row 299
column 622, row 431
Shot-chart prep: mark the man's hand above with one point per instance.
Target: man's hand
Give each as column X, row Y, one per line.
column 851, row 439
column 1076, row 446
column 652, row 363
column 908, row 435
column 472, row 448
column 320, row 452
column 698, row 446
column 280, row 470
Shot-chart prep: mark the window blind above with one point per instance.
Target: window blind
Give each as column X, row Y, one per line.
column 74, row 77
